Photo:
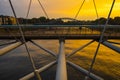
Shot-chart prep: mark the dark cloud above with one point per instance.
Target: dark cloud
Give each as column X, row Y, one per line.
column 20, row 7
column 5, row 8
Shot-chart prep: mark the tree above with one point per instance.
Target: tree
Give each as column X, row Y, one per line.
column 34, row 20
column 111, row 21
column 43, row 19
column 102, row 20
column 117, row 20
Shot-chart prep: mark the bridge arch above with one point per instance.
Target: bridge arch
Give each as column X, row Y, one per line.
column 68, row 18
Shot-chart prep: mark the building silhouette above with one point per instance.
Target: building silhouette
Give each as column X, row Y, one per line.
column 7, row 20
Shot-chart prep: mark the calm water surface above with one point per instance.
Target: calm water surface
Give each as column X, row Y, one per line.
column 16, row 63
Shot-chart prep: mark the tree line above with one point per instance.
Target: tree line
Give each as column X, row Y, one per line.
column 4, row 20
column 43, row 20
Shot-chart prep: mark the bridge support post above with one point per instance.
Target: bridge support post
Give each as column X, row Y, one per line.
column 61, row 73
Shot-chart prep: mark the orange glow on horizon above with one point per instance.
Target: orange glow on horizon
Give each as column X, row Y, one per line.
column 69, row 8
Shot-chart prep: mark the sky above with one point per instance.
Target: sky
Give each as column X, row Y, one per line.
column 61, row 8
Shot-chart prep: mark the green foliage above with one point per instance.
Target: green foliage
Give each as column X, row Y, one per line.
column 101, row 21
column 45, row 21
column 117, row 20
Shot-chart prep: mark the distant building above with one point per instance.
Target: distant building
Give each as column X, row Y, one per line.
column 13, row 20
column 0, row 20
column 7, row 20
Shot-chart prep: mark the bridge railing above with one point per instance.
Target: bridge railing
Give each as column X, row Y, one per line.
column 56, row 30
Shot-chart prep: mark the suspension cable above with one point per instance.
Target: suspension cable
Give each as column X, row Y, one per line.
column 28, row 11
column 23, row 38
column 43, row 9
column 26, row 17
column 95, row 9
column 29, row 8
column 77, row 14
column 100, row 40
column 79, row 9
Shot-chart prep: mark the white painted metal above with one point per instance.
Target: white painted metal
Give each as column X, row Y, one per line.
column 27, row 77
column 61, row 73
column 37, row 75
column 9, row 48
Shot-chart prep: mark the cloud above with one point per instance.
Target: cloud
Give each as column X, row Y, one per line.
column 4, row 7
column 59, row 8
column 19, row 6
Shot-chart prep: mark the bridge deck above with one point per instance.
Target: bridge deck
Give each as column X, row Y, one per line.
column 96, row 37
column 60, row 31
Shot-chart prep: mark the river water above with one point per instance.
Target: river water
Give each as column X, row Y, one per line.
column 16, row 63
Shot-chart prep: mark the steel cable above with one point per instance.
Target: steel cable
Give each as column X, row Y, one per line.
column 24, row 41
column 77, row 14
column 29, row 6
column 96, row 9
column 43, row 9
column 100, row 40
column 79, row 9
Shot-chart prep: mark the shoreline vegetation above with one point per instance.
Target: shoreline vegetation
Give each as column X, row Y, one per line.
column 10, row 20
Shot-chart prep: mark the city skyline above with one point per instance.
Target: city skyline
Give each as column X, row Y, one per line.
column 60, row 8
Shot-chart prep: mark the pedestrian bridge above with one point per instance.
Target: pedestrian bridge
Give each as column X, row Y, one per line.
column 27, row 33
column 60, row 31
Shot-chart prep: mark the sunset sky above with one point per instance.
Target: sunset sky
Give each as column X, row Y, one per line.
column 61, row 8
